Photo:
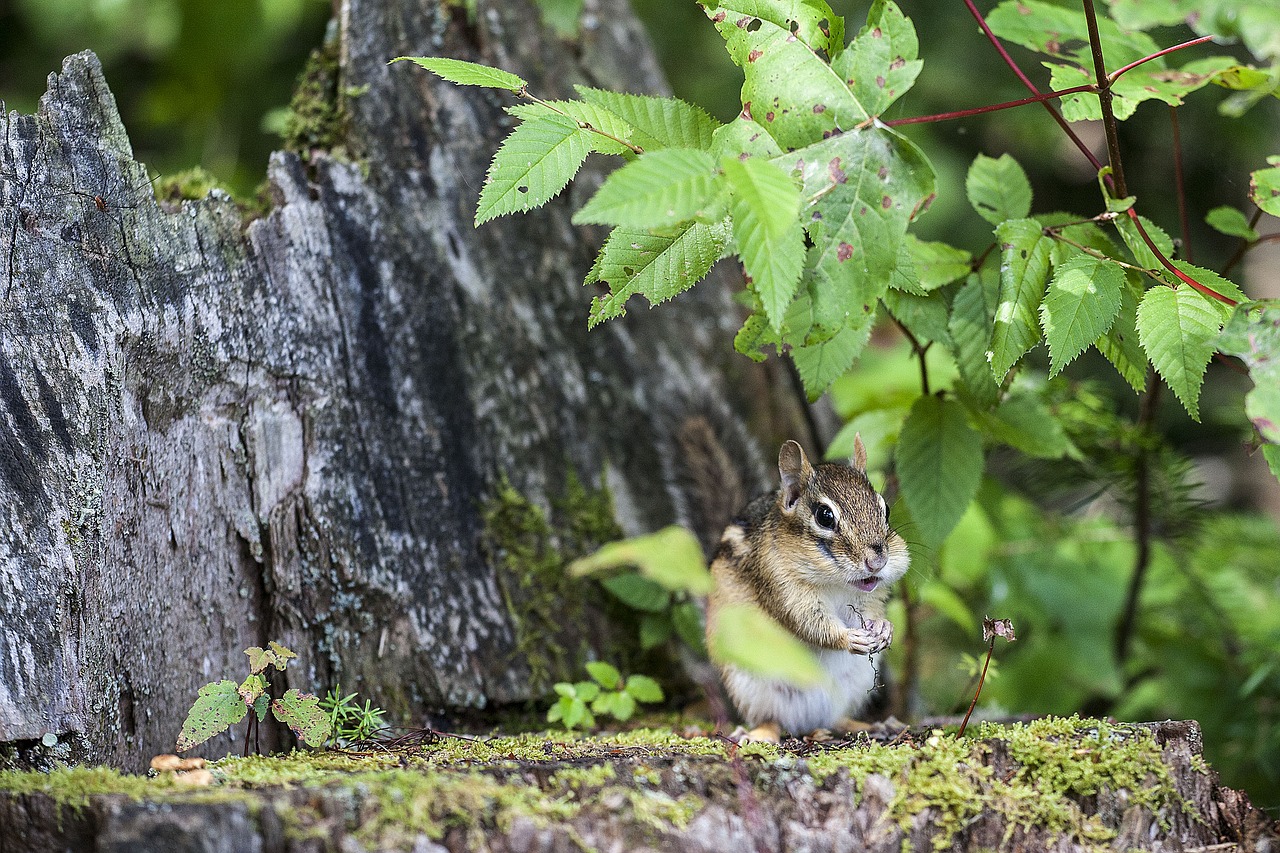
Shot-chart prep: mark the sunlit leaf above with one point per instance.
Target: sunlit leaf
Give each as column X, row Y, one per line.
column 1177, row 327
column 765, row 206
column 658, row 190
column 671, row 557
column 656, row 122
column 1253, row 334
column 939, row 464
column 1024, row 272
column 467, row 73
column 747, row 638
column 1079, row 307
column 998, row 188
column 217, row 708
column 533, row 165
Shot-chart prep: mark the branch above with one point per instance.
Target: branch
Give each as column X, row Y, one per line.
column 1104, row 99
column 1115, row 75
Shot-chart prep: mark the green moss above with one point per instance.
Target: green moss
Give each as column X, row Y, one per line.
column 531, row 552
column 188, row 185
column 317, row 118
column 475, row 785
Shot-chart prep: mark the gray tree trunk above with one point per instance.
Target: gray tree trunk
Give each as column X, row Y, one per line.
column 214, row 435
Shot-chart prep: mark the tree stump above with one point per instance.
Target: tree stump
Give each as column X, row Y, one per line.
column 215, row 433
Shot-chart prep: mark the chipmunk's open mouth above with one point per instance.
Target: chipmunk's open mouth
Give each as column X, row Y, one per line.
column 867, row 584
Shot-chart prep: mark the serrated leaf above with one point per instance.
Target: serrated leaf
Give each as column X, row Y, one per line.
column 259, row 658
column 1023, row 422
column 1253, row 334
column 656, row 122
column 923, row 316
column 658, row 190
column 1230, row 221
column 1079, row 307
column 939, row 463
column 969, row 329
column 823, row 363
column 937, row 264
column 1120, row 345
column 1062, row 33
column 743, row 136
column 1024, row 271
column 655, row 265
column 301, row 712
column 1209, row 279
column 765, row 205
column 1177, row 328
column 533, row 165
column 605, row 674
column 642, row 688
column 251, row 688
column 998, row 188
column 467, row 73
column 585, row 114
column 671, row 557
column 743, row 636
column 638, row 592
column 1264, row 187
column 1142, row 254
column 787, row 87
column 881, row 65
column 866, row 188
column 217, row 708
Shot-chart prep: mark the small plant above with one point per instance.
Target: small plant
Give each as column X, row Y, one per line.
column 606, row 693
column 222, row 704
column 349, row 722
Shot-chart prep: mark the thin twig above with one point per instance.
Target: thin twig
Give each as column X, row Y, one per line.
column 991, row 647
column 991, row 108
column 1104, row 99
column 1180, row 186
column 1115, row 75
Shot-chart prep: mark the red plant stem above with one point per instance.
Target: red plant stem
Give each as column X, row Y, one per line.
column 1184, row 224
column 1115, row 75
column 991, row 647
column 1112, row 180
column 1034, row 99
column 1026, row 81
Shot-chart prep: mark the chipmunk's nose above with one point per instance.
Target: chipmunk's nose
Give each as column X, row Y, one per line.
column 876, row 558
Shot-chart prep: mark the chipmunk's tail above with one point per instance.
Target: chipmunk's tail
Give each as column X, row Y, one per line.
column 714, row 468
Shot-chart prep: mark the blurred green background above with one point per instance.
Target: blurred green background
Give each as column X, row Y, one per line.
column 1047, row 544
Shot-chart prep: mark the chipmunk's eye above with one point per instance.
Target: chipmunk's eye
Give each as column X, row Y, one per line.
column 824, row 516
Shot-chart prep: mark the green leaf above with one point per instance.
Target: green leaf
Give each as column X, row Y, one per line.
column 217, row 708
column 1142, row 254
column 787, row 87
column 656, row 122
column 1079, row 307
column 688, row 620
column 939, row 465
column 998, row 188
column 671, row 557
column 623, row 706
column 467, row 73
column 821, row 364
column 1177, row 328
column 251, row 688
column 1024, row 270
column 586, row 690
column 923, row 316
column 638, row 592
column 881, row 65
column 1023, row 422
column 1271, row 453
column 1253, row 334
column 879, row 431
column 1120, row 344
column 937, row 264
column 1264, row 187
column 564, row 689
column 744, row 636
column 655, row 629
column 765, row 206
column 605, row 674
column 302, row 714
column 969, row 328
column 744, row 136
column 655, row 265
column 943, row 599
column 644, row 689
column 562, row 16
column 1209, row 279
column 582, row 112
column 533, row 165
column 1062, row 33
column 865, row 186
column 657, row 190
column 1230, row 221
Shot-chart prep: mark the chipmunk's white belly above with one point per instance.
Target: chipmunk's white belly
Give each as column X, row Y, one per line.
column 845, row 693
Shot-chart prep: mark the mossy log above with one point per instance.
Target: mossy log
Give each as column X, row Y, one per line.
column 217, row 432
column 1054, row 785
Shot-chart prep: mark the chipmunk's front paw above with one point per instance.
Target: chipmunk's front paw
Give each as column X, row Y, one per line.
column 875, row 635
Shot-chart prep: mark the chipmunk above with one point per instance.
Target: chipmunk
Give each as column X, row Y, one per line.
column 819, row 557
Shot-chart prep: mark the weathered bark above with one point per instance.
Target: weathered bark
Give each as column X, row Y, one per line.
column 611, row 796
column 213, row 436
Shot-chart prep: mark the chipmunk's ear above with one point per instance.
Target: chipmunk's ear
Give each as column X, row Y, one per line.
column 795, row 471
column 859, row 458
